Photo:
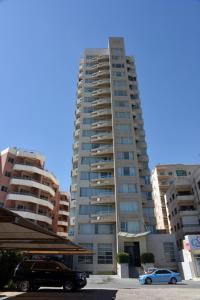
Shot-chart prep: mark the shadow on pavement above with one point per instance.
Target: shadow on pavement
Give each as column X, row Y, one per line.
column 50, row 294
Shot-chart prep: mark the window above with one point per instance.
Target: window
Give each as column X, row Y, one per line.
column 88, row 132
column 1, row 204
column 122, row 115
column 130, row 226
column 146, row 179
column 86, row 259
column 87, row 110
column 148, row 211
column 87, row 121
column 125, row 155
column 104, row 229
column 7, row 174
column 124, row 141
column 4, row 188
column 128, row 206
column 85, row 228
column 84, row 209
column 89, row 192
column 133, row 97
column 123, row 127
column 169, row 251
column 147, row 196
column 126, row 171
column 119, row 73
column 121, row 103
column 163, row 272
column 127, row 188
column 117, row 51
column 117, row 66
column 86, row 146
column 105, row 254
column 88, row 99
column 120, row 93
column 181, row 173
column 11, row 160
column 119, row 83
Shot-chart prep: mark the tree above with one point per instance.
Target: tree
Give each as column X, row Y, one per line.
column 123, row 258
column 147, row 258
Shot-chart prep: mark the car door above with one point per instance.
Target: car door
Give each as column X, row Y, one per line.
column 162, row 276
column 39, row 273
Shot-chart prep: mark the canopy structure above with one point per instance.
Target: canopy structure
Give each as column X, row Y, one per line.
column 17, row 233
column 133, row 235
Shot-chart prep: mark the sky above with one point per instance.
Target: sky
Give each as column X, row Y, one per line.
column 41, row 42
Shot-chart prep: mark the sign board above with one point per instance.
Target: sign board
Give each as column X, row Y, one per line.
column 192, row 242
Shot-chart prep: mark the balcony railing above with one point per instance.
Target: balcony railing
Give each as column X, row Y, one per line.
column 101, row 112
column 102, row 150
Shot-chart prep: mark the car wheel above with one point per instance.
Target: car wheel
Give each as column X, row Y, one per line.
column 35, row 288
column 148, row 280
column 24, row 285
column 173, row 280
column 68, row 286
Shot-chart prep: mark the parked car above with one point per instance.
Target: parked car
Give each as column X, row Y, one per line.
column 160, row 276
column 32, row 274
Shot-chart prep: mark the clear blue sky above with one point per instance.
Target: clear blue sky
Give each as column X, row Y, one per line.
column 41, row 42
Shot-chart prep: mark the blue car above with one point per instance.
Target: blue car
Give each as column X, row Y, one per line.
column 160, row 276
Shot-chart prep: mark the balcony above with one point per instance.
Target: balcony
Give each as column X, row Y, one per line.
column 104, row 150
column 184, row 199
column 101, row 102
column 33, row 169
column 75, row 172
column 63, row 202
column 77, row 122
column 77, row 133
column 63, row 223
column 20, row 181
column 75, row 158
column 29, row 199
column 101, row 112
column 103, row 218
column 33, row 216
column 63, row 212
column 101, row 73
column 62, row 234
column 108, row 199
column 102, row 165
column 101, row 82
column 102, row 137
column 73, row 204
column 102, row 125
column 184, row 213
column 30, row 154
column 74, row 188
column 99, row 182
column 78, row 112
column 101, row 92
column 143, row 158
column 76, row 145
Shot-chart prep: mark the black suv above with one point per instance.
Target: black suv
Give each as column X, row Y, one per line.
column 30, row 275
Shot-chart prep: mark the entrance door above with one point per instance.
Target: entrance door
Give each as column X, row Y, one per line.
column 133, row 249
column 197, row 258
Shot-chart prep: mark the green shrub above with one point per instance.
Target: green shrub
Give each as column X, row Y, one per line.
column 8, row 262
column 147, row 258
column 123, row 258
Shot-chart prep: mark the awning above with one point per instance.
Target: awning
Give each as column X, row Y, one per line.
column 17, row 233
column 133, row 235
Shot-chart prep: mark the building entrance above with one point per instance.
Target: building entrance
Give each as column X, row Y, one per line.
column 133, row 249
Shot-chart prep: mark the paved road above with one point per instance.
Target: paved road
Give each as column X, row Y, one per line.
column 113, row 288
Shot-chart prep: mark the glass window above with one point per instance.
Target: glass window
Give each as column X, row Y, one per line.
column 87, row 110
column 88, row 132
column 148, row 211
column 104, row 229
column 181, row 173
column 85, row 228
column 124, row 141
column 105, row 254
column 89, row 192
column 86, row 146
column 122, row 115
column 169, row 251
column 128, row 206
column 119, row 73
column 126, row 171
column 130, row 226
column 123, row 127
column 84, row 209
column 118, row 66
column 86, row 259
column 125, row 155
column 120, row 93
column 88, row 121
column 127, row 188
column 120, row 103
column 117, row 51
column 119, row 83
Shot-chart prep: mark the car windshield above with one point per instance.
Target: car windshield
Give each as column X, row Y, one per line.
column 63, row 266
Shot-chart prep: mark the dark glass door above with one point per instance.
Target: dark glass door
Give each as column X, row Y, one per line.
column 133, row 249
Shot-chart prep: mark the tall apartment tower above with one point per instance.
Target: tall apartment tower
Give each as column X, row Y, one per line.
column 31, row 191
column 111, row 206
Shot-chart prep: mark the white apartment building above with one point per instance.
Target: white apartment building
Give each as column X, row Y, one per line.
column 111, row 206
column 162, row 176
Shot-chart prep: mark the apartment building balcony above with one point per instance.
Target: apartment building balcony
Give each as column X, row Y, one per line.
column 101, row 112
column 63, row 223
column 100, row 182
column 102, row 125
column 30, row 154
column 103, row 218
column 101, row 82
column 63, row 202
column 100, row 73
column 75, row 172
column 75, row 158
column 29, row 199
column 143, row 158
column 102, row 137
column 37, row 170
column 101, row 92
column 104, row 150
column 107, row 199
column 103, row 58
column 183, row 213
column 77, row 133
column 20, row 181
column 78, row 122
column 78, row 112
column 62, row 234
column 182, row 199
column 63, row 212
column 101, row 103
column 27, row 214
column 76, row 145
column 102, row 165
column 74, row 188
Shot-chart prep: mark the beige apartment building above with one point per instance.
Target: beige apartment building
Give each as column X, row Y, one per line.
column 161, row 177
column 111, row 208
column 29, row 190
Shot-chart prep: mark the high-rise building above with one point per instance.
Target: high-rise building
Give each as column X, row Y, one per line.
column 111, row 204
column 31, row 191
column 162, row 177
